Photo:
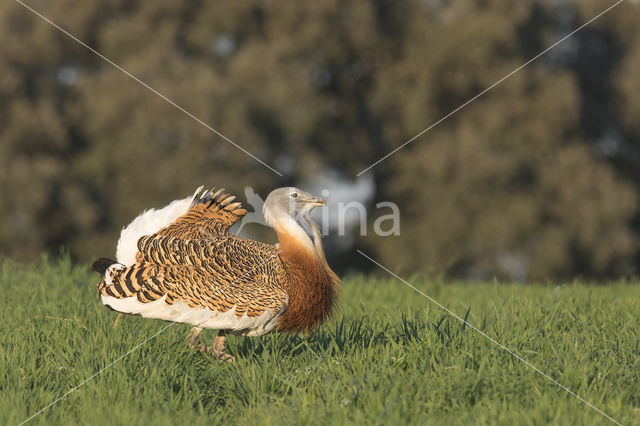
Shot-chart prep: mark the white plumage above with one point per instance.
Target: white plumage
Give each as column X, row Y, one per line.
column 148, row 223
column 198, row 317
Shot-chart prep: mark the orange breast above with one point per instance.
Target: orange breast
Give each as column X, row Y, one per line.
column 312, row 286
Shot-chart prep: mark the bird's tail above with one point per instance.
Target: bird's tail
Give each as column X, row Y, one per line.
column 100, row 266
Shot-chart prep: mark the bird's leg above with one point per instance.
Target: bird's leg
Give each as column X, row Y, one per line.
column 193, row 340
column 193, row 336
column 219, row 347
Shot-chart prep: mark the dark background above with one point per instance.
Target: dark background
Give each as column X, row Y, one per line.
column 538, row 180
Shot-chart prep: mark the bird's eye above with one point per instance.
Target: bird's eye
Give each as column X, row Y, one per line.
column 293, row 195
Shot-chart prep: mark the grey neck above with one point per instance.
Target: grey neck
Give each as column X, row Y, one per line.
column 312, row 229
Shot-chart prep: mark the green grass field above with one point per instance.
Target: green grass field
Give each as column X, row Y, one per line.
column 389, row 356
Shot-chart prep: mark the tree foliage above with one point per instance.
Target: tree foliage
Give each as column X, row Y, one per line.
column 536, row 179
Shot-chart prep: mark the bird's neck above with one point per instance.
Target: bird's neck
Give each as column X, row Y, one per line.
column 311, row 284
column 293, row 236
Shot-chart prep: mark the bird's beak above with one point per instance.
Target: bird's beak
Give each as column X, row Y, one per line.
column 315, row 201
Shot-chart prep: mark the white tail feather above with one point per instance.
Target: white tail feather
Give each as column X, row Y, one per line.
column 149, row 222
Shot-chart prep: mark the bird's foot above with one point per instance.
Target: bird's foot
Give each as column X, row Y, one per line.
column 224, row 357
column 194, row 342
column 201, row 347
column 219, row 348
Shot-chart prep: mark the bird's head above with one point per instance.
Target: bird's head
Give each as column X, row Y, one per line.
column 287, row 211
column 291, row 202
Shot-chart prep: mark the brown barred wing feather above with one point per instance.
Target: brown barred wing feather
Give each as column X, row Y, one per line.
column 212, row 212
column 250, row 289
column 217, row 252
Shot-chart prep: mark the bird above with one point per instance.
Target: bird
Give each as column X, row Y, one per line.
column 180, row 263
column 257, row 204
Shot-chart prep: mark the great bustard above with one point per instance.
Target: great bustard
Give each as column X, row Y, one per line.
column 181, row 264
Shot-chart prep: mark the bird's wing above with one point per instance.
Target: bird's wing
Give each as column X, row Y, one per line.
column 250, row 284
column 216, row 254
column 194, row 271
column 211, row 213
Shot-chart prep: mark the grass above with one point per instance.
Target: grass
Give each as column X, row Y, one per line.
column 389, row 356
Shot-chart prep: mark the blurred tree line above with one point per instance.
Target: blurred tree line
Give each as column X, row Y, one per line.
column 537, row 179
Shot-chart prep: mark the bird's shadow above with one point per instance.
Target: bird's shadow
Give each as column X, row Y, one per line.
column 341, row 337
